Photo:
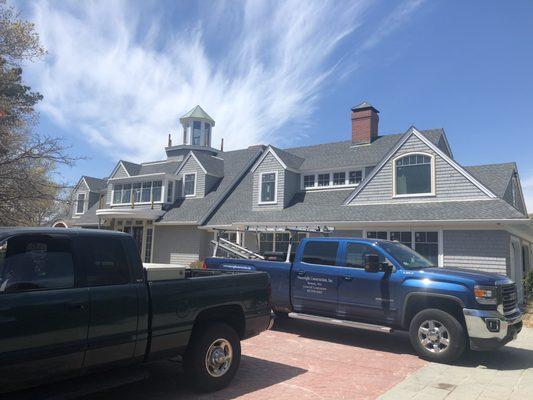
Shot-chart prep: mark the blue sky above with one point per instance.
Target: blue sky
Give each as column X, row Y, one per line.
column 118, row 74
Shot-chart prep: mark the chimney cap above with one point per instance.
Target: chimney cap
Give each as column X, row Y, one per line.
column 364, row 106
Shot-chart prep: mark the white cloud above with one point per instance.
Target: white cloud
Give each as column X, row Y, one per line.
column 118, row 78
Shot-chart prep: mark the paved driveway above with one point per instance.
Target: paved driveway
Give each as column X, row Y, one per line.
column 303, row 360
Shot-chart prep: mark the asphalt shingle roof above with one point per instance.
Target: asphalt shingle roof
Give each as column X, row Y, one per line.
column 495, row 177
column 292, row 161
column 168, row 167
column 344, row 154
column 95, row 184
column 213, row 165
column 132, row 168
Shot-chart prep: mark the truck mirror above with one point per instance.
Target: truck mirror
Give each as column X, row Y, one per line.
column 372, row 263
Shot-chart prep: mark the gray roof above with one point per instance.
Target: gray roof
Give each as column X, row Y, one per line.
column 198, row 112
column 196, row 209
column 345, row 154
column 292, row 161
column 363, row 105
column 495, row 177
column 167, row 167
column 132, row 168
column 213, row 165
column 95, row 184
column 314, row 207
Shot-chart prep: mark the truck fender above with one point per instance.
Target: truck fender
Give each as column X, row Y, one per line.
column 427, row 298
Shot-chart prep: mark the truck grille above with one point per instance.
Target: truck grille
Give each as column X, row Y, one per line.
column 509, row 298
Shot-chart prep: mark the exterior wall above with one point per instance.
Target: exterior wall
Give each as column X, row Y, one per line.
column 508, row 196
column 269, row 164
column 210, row 182
column 348, row 233
column 120, row 173
column 292, row 185
column 179, row 244
column 449, row 183
column 483, row 250
column 192, row 166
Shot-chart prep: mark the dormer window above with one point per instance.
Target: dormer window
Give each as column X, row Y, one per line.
column 413, row 175
column 268, row 188
column 80, row 205
column 189, row 185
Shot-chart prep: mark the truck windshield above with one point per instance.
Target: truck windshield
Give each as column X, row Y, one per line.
column 406, row 256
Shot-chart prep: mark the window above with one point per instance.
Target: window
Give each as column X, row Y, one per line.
column 413, row 175
column 266, row 242
column 189, row 184
column 339, row 178
column 309, row 181
column 117, row 194
column 320, row 253
column 278, row 242
column 427, row 244
column 268, row 187
column 106, row 262
column 145, row 192
column 126, row 193
column 36, row 263
column 355, row 177
column 196, row 133
column 356, row 254
column 207, row 134
column 404, row 238
column 376, row 235
column 185, row 130
column 136, row 193
column 148, row 245
column 80, row 205
column 170, row 196
column 323, row 179
column 156, row 190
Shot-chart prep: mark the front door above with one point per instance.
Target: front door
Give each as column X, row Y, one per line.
column 364, row 295
column 43, row 312
column 114, row 303
column 314, row 279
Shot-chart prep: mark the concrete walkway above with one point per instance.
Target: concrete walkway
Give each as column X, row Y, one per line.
column 499, row 375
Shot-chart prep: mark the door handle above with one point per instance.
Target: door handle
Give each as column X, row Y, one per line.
column 348, row 278
column 300, row 273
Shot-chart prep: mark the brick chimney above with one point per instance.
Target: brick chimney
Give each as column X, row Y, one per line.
column 364, row 123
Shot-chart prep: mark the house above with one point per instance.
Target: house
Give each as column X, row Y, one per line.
column 406, row 187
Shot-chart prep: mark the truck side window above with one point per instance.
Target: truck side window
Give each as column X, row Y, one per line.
column 35, row 263
column 321, row 253
column 356, row 253
column 106, row 262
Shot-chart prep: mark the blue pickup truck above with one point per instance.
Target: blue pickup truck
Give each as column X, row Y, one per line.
column 382, row 285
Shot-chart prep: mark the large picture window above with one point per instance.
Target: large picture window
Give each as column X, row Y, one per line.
column 137, row 192
column 413, row 174
column 268, row 187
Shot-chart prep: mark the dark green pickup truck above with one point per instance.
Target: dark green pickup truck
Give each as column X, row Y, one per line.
column 75, row 301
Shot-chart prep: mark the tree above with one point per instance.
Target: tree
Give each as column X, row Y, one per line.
column 29, row 193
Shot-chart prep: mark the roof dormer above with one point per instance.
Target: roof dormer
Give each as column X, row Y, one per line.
column 197, row 125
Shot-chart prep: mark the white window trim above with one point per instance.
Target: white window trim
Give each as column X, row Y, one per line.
column 275, row 201
column 331, row 185
column 432, row 175
column 183, row 186
column 85, row 201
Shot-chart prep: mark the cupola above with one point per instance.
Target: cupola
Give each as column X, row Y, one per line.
column 197, row 125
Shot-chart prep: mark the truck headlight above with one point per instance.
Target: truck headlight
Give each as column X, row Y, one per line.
column 486, row 294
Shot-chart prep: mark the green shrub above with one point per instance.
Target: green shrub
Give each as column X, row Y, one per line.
column 196, row 264
column 528, row 283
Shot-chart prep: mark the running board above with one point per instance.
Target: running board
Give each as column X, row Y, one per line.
column 341, row 322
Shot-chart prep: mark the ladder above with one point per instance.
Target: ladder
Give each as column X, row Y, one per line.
column 235, row 249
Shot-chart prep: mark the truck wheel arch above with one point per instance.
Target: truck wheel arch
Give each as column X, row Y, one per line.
column 230, row 314
column 417, row 301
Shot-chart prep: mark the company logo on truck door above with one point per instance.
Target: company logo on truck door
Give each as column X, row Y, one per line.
column 315, row 284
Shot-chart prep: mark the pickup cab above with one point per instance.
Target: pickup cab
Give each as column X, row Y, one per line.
column 77, row 301
column 382, row 285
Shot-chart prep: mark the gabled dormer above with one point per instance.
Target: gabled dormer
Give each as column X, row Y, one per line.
column 87, row 192
column 275, row 179
column 199, row 174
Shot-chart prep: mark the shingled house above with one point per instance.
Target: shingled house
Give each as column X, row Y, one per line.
column 406, row 187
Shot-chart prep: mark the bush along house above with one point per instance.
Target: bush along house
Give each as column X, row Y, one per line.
column 405, row 187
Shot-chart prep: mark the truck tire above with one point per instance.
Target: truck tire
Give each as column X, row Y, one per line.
column 212, row 357
column 437, row 336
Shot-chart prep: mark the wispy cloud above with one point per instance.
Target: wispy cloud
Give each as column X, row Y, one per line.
column 120, row 77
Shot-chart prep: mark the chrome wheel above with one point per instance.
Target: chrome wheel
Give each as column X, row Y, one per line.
column 218, row 358
column 434, row 336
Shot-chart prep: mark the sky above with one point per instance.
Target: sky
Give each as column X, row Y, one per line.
column 119, row 74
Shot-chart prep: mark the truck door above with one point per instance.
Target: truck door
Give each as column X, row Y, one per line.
column 43, row 311
column 364, row 295
column 314, row 278
column 113, row 298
